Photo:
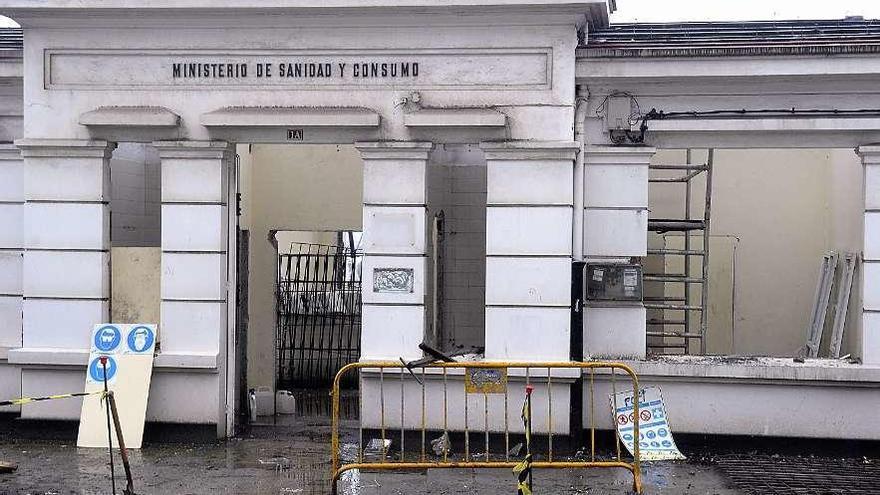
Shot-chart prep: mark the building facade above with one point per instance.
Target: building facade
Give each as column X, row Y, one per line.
column 524, row 93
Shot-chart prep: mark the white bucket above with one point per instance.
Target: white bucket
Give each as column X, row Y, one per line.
column 285, row 402
column 263, row 401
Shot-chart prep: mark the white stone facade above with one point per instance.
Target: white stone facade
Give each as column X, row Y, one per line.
column 500, row 79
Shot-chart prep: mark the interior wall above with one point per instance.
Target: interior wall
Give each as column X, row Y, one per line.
column 135, row 235
column 457, row 186
column 774, row 214
column 289, row 188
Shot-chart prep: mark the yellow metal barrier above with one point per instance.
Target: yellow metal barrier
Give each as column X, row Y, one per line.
column 481, row 378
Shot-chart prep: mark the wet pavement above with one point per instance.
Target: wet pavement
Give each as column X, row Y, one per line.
column 294, row 459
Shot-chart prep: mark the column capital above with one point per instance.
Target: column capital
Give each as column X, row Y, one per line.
column 394, row 150
column 192, row 149
column 67, row 148
column 530, row 150
column 622, row 155
column 870, row 153
column 10, row 152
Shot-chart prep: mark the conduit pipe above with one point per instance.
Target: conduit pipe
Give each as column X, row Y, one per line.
column 582, row 94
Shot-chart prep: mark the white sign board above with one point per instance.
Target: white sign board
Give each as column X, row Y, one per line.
column 655, row 436
column 129, row 351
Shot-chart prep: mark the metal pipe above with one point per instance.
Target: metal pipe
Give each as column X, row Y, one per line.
column 582, row 95
column 707, row 215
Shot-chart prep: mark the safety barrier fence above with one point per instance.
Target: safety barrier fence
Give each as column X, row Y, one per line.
column 479, row 399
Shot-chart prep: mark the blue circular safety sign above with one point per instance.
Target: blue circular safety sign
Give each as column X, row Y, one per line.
column 140, row 338
column 96, row 369
column 662, row 432
column 107, row 338
column 651, row 434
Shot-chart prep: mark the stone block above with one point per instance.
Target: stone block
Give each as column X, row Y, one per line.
column 538, row 182
column 67, row 274
column 391, row 332
column 60, row 323
column 615, row 332
column 11, row 226
column 194, row 227
column 69, row 179
column 192, row 327
column 519, row 230
column 528, row 281
column 394, row 230
column 615, row 233
column 66, row 226
column 11, row 268
column 395, row 182
column 616, row 185
column 10, row 321
column 528, row 334
column 193, row 180
column 194, row 276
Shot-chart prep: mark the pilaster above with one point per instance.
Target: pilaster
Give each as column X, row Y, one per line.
column 194, row 286
column 394, row 244
column 11, row 265
column 528, row 249
column 66, row 259
column 615, row 229
column 870, row 276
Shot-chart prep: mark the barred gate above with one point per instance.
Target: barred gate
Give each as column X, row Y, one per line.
column 318, row 325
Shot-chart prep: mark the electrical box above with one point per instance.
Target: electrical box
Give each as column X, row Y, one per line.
column 613, row 282
column 618, row 112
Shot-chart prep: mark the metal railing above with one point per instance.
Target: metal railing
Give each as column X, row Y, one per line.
column 480, row 383
column 318, row 304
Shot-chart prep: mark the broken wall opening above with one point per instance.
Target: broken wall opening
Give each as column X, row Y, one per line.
column 774, row 214
column 457, row 186
column 135, row 234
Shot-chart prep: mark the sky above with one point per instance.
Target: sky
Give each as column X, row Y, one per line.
column 741, row 10
column 726, row 10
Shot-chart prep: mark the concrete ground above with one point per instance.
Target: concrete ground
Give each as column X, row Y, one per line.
column 294, row 459
column 252, row 465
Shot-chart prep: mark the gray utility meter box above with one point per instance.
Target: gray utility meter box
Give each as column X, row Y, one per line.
column 613, row 282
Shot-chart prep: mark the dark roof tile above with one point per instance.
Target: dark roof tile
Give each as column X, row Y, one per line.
column 850, row 35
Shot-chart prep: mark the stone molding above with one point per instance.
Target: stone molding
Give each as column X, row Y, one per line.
column 394, row 150
column 65, row 148
column 193, row 149
column 530, row 150
column 141, row 116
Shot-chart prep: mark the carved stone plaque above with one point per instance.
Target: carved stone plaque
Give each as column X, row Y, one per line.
column 399, row 280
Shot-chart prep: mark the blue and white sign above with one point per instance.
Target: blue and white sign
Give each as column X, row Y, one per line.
column 140, row 339
column 96, row 369
column 106, row 338
column 655, row 436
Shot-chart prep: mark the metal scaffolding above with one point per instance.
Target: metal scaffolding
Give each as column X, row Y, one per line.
column 675, row 330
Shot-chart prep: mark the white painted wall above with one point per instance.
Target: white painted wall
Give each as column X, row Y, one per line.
column 777, row 211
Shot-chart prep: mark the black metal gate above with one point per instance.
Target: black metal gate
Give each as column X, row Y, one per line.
column 318, row 314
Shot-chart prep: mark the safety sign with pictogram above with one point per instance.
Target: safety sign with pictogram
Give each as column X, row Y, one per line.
column 96, row 370
column 655, row 436
column 129, row 350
